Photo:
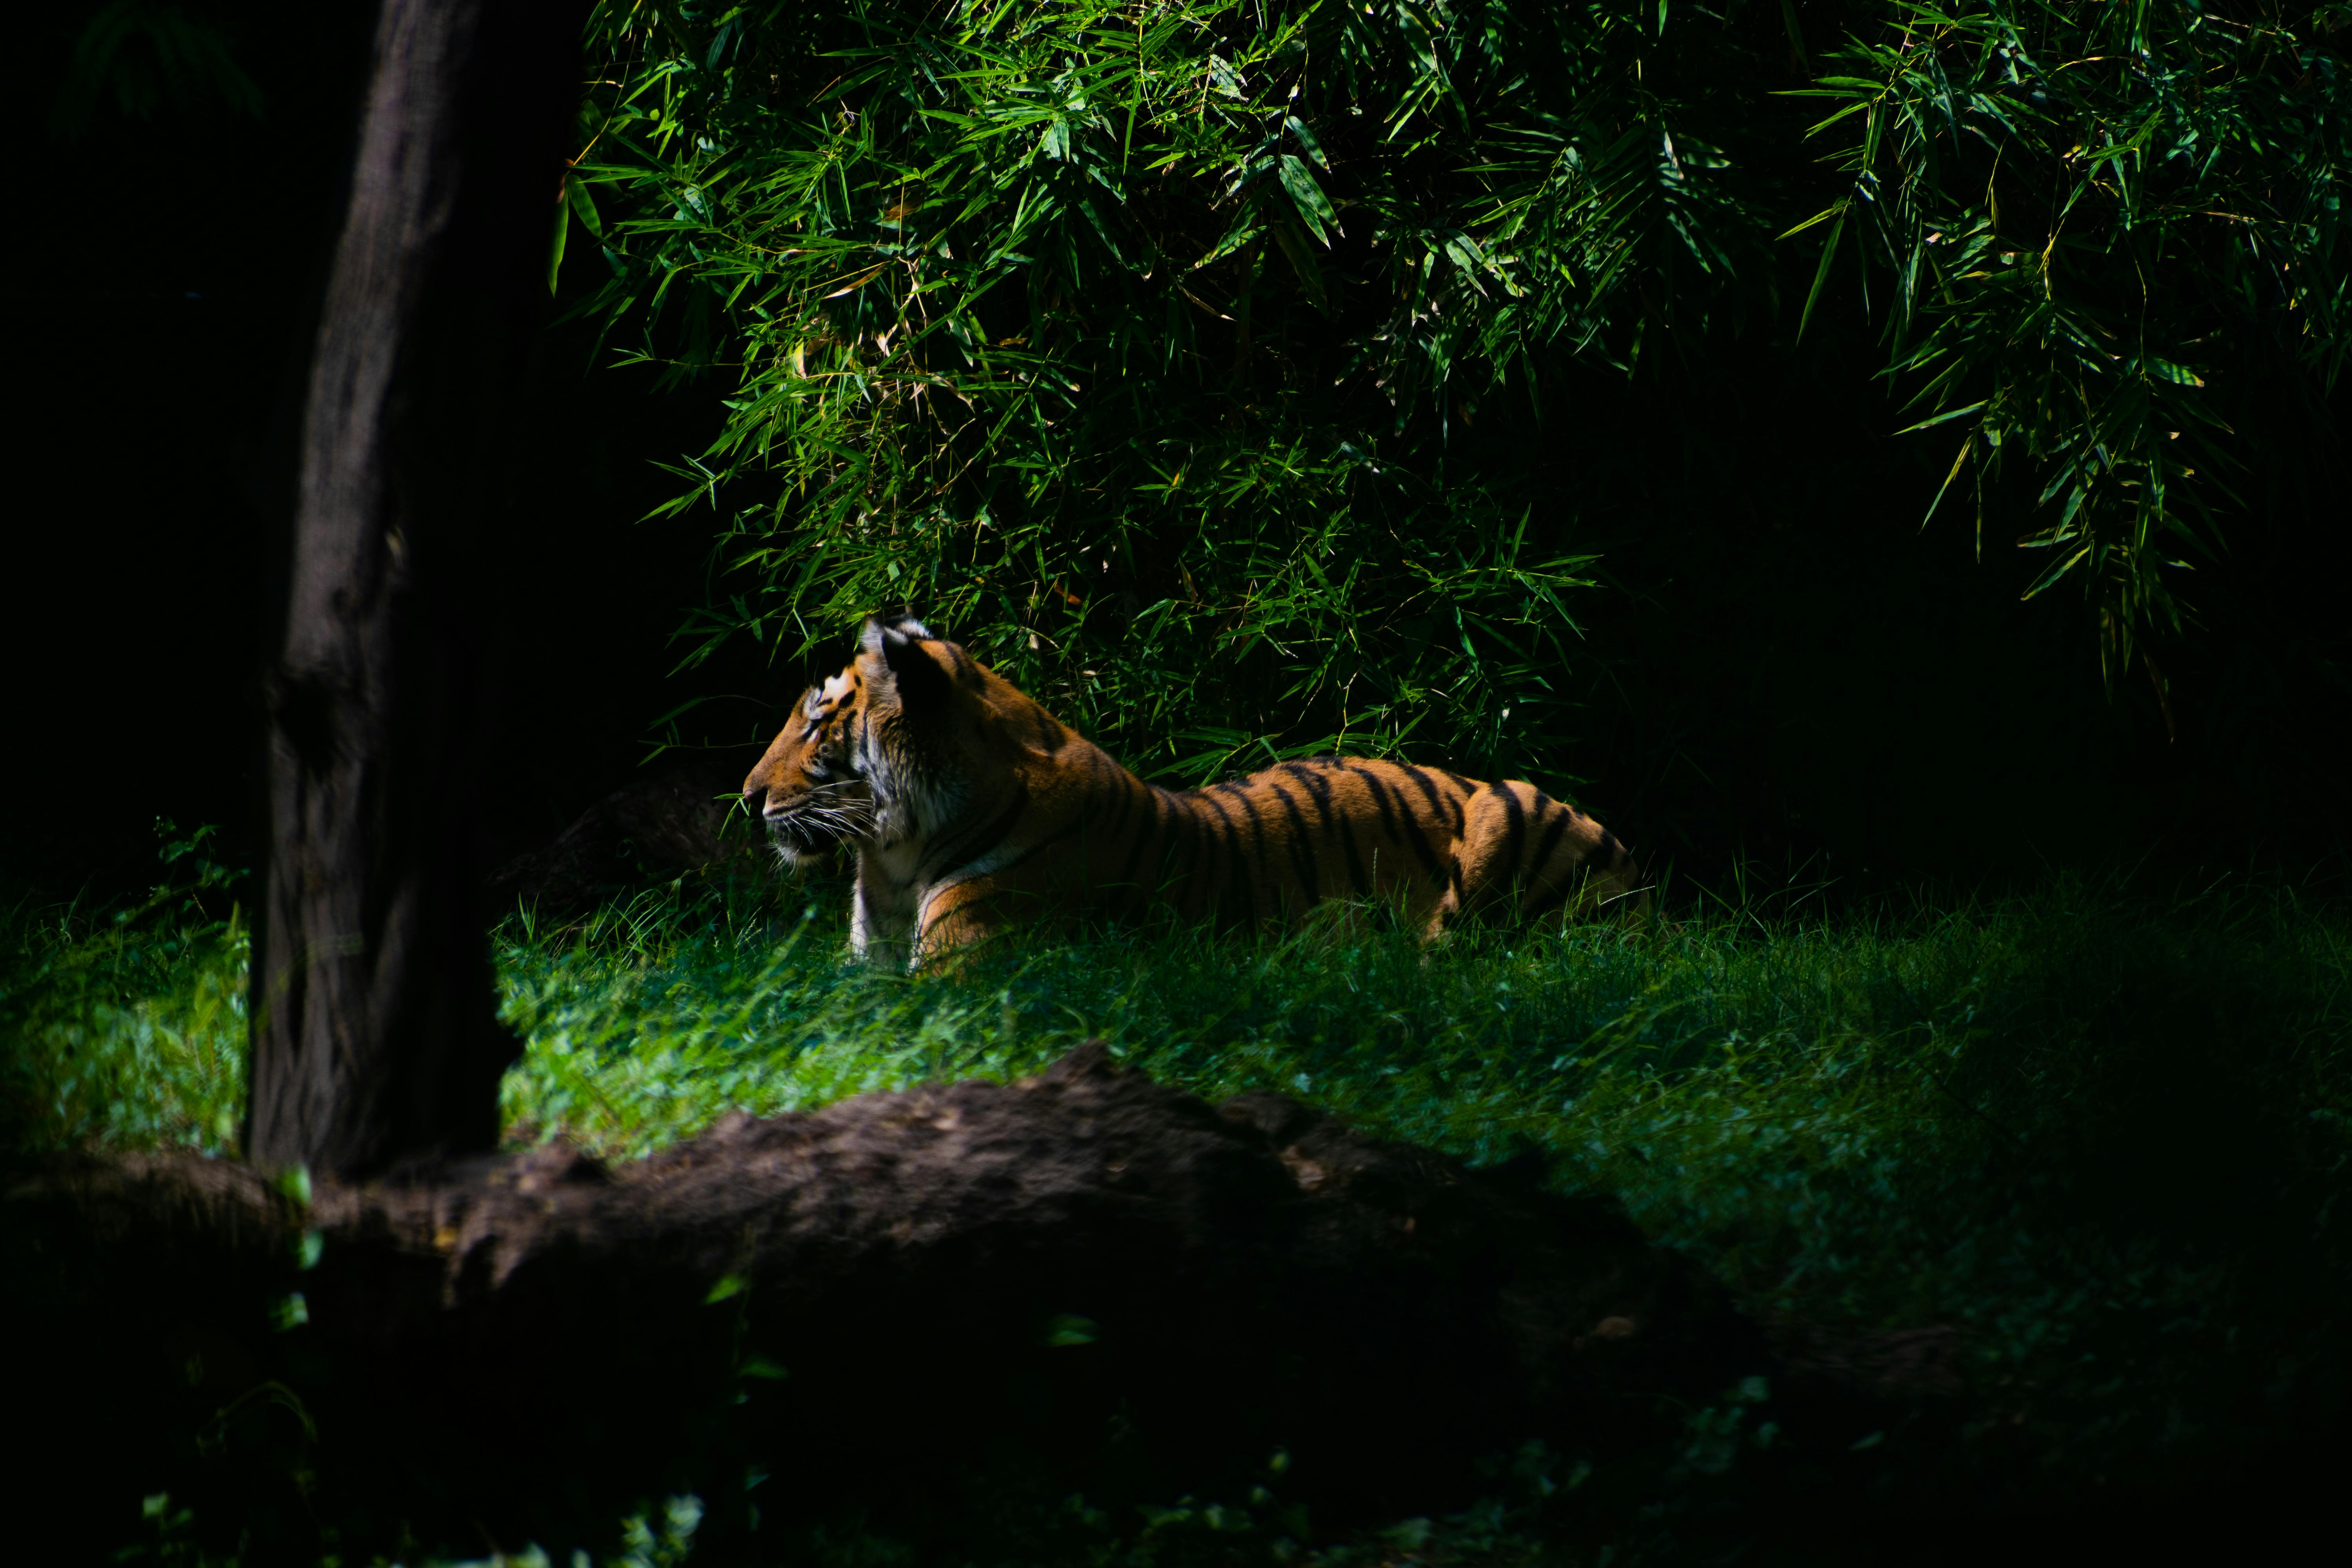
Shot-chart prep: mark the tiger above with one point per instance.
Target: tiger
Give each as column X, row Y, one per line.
column 974, row 810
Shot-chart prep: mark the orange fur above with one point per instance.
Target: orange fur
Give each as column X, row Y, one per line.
column 972, row 810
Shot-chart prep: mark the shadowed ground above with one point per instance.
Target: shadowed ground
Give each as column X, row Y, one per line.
column 1081, row 1283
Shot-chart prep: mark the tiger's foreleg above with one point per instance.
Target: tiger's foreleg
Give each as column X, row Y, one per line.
column 881, row 916
column 955, row 919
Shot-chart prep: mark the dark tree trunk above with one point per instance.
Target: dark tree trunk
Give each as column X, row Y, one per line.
column 375, row 1036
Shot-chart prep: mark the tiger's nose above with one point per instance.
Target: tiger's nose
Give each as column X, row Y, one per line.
column 755, row 799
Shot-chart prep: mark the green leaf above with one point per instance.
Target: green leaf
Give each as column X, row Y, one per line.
column 1821, row 272
column 555, row 244
column 1313, row 208
column 1945, row 417
column 1069, row 1329
column 1295, row 250
column 1298, row 127
column 582, row 203
column 2165, row 370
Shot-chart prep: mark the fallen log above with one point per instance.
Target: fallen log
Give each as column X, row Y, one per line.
column 894, row 1308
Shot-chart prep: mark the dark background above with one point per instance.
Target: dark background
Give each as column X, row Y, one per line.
column 1783, row 669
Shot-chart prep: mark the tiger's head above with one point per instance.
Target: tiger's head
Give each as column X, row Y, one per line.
column 892, row 747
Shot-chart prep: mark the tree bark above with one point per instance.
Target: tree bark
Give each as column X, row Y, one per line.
column 375, row 1037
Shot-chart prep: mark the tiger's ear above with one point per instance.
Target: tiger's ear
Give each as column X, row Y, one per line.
column 898, row 641
column 893, row 621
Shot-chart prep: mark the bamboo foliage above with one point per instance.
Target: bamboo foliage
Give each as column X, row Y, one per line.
column 2091, row 216
column 1136, row 342
column 1188, row 359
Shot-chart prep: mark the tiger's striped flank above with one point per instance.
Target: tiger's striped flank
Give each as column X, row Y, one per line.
column 973, row 810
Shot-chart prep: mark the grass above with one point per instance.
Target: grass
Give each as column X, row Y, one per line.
column 2102, row 1137
column 126, row 1028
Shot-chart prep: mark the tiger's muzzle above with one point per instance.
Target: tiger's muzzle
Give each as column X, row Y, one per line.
column 809, row 824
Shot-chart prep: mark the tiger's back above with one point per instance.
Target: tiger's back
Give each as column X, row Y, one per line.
column 972, row 810
column 1267, row 848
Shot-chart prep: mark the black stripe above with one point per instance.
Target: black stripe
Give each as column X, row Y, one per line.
column 1228, row 841
column 1046, row 842
column 1184, row 849
column 1216, row 862
column 1317, row 791
column 1380, row 796
column 925, row 919
column 1449, row 806
column 1260, row 884
column 1176, row 861
column 1450, row 868
column 1320, row 788
column 1239, row 884
column 1516, row 842
column 1417, row 828
column 1200, row 838
column 1436, row 800
column 1143, row 835
column 1354, row 862
column 1245, row 878
column 960, row 852
column 1123, row 799
column 1123, row 787
column 1551, row 838
column 1030, row 851
column 1601, row 856
column 1387, row 809
column 1301, row 856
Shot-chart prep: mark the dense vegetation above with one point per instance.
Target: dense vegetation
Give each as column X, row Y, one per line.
column 1551, row 389
column 2104, row 1139
column 1215, row 366
column 1774, row 662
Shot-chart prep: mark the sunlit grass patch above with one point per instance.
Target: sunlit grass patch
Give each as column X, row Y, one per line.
column 649, row 1020
column 2078, row 1128
column 125, row 1030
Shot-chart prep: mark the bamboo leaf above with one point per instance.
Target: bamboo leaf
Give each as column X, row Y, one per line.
column 1306, row 198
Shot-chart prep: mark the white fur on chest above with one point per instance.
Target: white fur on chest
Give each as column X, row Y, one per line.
column 883, row 911
column 887, row 914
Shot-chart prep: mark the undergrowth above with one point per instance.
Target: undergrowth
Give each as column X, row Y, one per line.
column 2102, row 1137
column 125, row 1028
